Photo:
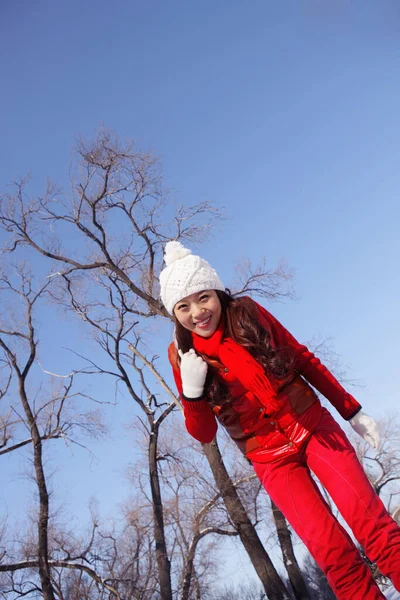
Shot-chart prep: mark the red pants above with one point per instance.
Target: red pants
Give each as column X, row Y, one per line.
column 332, row 458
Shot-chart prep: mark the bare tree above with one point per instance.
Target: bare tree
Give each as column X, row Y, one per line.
column 22, row 414
column 105, row 246
column 106, row 562
column 297, row 582
column 117, row 336
column 316, row 581
column 383, row 466
column 271, row 581
column 114, row 326
column 245, row 591
column 196, row 511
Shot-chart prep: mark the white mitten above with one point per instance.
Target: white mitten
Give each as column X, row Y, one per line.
column 367, row 428
column 193, row 374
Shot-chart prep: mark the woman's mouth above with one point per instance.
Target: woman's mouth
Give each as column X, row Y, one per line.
column 203, row 324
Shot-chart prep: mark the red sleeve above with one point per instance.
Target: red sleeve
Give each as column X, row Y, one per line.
column 199, row 417
column 311, row 368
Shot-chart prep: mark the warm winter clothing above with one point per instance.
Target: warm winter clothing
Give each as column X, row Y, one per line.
column 367, row 428
column 185, row 274
column 282, row 428
column 332, row 458
column 193, row 370
column 267, row 418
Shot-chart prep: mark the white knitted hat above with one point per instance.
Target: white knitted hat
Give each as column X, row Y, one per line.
column 185, row 274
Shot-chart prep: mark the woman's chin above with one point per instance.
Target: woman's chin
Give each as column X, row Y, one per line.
column 206, row 332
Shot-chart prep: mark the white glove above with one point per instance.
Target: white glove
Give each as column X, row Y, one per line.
column 193, row 374
column 367, row 428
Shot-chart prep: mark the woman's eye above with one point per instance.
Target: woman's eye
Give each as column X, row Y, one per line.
column 204, row 297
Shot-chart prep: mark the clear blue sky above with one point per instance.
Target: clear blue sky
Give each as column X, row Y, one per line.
column 285, row 113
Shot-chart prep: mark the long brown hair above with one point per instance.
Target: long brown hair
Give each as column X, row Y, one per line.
column 241, row 324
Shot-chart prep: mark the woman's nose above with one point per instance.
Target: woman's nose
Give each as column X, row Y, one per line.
column 196, row 311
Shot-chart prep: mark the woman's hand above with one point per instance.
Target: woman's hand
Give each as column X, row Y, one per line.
column 367, row 428
column 193, row 374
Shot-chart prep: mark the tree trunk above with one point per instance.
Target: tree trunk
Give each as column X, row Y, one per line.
column 43, row 551
column 296, row 578
column 188, row 570
column 43, row 523
column 163, row 562
column 272, row 583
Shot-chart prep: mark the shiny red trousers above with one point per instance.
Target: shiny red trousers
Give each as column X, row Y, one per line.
column 329, row 454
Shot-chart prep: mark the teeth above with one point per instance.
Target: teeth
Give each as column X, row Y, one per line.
column 203, row 322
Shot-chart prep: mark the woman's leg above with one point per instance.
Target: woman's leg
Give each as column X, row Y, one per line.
column 290, row 485
column 332, row 458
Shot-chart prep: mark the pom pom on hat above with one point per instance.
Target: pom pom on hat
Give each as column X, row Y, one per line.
column 185, row 274
column 174, row 251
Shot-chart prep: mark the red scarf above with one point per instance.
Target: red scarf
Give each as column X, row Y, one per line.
column 241, row 364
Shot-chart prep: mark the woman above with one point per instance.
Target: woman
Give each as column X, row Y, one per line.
column 234, row 362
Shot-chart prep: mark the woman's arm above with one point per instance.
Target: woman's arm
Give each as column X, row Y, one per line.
column 310, row 367
column 200, row 420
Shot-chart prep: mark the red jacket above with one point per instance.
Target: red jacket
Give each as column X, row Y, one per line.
column 261, row 438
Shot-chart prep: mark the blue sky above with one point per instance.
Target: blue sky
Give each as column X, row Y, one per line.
column 286, row 114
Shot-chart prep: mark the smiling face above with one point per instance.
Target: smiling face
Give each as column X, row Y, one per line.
column 200, row 312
